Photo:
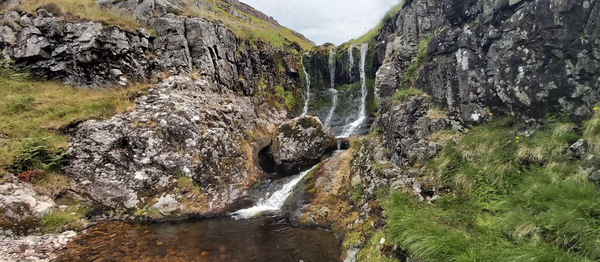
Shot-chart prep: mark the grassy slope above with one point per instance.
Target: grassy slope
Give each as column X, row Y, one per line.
column 254, row 30
column 34, row 110
column 504, row 197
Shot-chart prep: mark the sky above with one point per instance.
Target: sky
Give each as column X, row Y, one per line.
column 334, row 21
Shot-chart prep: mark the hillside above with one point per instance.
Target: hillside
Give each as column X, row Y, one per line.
column 463, row 130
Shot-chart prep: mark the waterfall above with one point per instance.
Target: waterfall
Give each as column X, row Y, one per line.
column 332, row 90
column 307, row 76
column 274, row 202
column 362, row 114
column 351, row 59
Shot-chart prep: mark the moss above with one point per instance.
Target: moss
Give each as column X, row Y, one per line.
column 410, row 73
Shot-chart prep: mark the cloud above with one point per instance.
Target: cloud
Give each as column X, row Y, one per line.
column 322, row 21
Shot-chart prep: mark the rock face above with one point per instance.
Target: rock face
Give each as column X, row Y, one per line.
column 524, row 59
column 181, row 131
column 90, row 54
column 300, row 143
column 20, row 206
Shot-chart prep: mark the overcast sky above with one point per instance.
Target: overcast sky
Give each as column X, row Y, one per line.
column 334, row 21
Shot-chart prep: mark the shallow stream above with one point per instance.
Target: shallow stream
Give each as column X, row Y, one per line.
column 267, row 238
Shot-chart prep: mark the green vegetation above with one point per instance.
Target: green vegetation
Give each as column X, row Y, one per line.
column 403, row 94
column 357, row 192
column 288, row 97
column 87, row 10
column 503, row 197
column 410, row 73
column 58, row 221
column 36, row 154
column 254, row 30
column 387, row 18
column 186, row 184
column 33, row 113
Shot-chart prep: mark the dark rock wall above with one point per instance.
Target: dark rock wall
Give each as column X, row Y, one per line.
column 524, row 59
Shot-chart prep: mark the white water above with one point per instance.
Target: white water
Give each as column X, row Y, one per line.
column 362, row 114
column 307, row 99
column 351, row 59
column 274, row 202
column 334, row 96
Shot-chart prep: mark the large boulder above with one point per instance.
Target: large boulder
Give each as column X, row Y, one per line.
column 189, row 147
column 299, row 143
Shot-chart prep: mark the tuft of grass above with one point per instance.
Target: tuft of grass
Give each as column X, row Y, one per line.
column 357, row 192
column 49, row 107
column 87, row 10
column 52, row 184
column 498, row 201
column 402, row 94
column 592, row 133
column 57, row 221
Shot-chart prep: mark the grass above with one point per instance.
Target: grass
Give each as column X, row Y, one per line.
column 255, row 30
column 402, row 94
column 503, row 197
column 87, row 10
column 37, row 110
column 410, row 73
column 56, row 221
column 371, row 34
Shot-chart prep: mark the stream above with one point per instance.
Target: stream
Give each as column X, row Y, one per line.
column 266, row 238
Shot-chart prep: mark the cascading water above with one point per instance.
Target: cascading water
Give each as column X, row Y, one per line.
column 362, row 114
column 307, row 76
column 272, row 202
column 351, row 60
column 334, row 95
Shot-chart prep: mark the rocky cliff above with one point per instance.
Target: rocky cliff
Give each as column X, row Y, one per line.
column 98, row 54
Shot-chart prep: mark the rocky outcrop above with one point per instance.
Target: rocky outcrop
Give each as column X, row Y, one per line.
column 189, row 147
column 21, row 207
column 33, row 248
column 92, row 54
column 522, row 58
column 300, row 143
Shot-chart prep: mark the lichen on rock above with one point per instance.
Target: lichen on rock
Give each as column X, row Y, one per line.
column 300, row 143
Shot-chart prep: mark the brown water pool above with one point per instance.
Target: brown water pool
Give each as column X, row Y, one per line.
column 267, row 239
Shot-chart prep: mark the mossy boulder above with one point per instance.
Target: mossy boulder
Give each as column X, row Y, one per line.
column 300, row 143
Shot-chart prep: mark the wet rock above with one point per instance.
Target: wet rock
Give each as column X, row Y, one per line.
column 182, row 130
column 300, row 143
column 21, row 206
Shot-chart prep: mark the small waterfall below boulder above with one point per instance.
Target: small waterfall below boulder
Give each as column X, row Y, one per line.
column 272, row 202
column 307, row 79
column 332, row 90
column 362, row 113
